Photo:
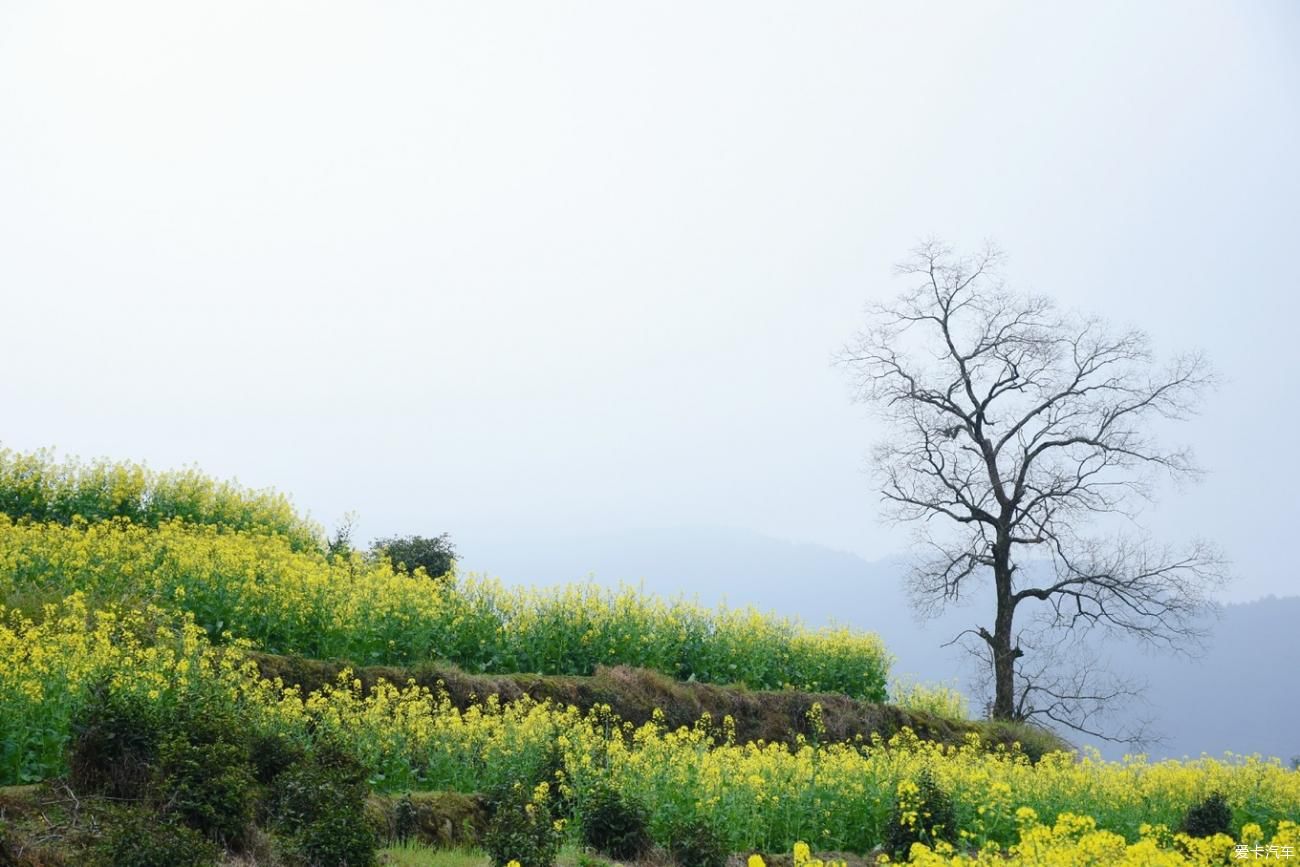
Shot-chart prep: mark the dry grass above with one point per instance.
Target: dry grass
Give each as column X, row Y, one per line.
column 634, row 695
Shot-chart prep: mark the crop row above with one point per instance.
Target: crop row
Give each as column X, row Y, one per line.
column 38, row 487
column 257, row 587
column 764, row 797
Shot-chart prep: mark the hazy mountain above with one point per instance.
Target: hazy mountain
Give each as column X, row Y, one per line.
column 1237, row 697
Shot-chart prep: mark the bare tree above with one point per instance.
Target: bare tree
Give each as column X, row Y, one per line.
column 1023, row 447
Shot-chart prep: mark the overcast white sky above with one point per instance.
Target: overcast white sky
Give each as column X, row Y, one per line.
column 513, row 270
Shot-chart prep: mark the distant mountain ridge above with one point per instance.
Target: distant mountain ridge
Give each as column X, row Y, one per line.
column 1237, row 697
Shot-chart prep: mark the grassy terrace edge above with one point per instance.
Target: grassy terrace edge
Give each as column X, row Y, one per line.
column 635, row 694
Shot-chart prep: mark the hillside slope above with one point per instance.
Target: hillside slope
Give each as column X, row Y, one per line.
column 1232, row 698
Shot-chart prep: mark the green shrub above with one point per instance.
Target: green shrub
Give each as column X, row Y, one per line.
column 138, row 838
column 208, row 783
column 540, row 762
column 338, row 837
column 697, row 843
column 614, row 825
column 319, row 806
column 922, row 813
column 522, row 829
column 272, row 754
column 1208, row 817
column 436, row 556
column 189, row 764
column 114, row 744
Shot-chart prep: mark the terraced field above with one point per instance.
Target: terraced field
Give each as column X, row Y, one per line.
column 183, row 665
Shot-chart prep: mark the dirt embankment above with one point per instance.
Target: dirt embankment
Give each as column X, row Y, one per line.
column 634, row 694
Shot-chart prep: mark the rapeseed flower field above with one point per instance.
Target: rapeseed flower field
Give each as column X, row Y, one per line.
column 38, row 487
column 165, row 607
column 257, row 586
column 766, row 797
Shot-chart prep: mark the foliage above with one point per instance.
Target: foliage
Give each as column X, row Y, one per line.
column 272, row 753
column 522, row 829
column 615, row 825
column 319, row 806
column 114, row 743
column 338, row 547
column 128, row 643
column 256, row 587
column 37, row 487
column 922, row 813
column 198, row 771
column 189, row 762
column 136, row 838
column 695, row 842
column 1209, row 817
column 937, row 699
column 108, row 678
column 761, row 796
column 436, row 556
column 205, row 779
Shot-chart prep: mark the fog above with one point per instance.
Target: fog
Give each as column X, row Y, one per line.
column 521, row 272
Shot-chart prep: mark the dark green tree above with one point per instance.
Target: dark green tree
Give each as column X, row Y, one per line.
column 436, row 555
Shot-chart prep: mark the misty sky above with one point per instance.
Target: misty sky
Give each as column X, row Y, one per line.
column 517, row 271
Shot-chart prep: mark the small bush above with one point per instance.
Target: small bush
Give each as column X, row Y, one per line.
column 137, row 838
column 272, row 754
column 189, row 764
column 319, row 805
column 614, row 825
column 208, row 783
column 1209, row 817
column 530, row 769
column 337, row 837
column 114, row 744
column 436, row 556
column 696, row 843
column 922, row 813
column 522, row 829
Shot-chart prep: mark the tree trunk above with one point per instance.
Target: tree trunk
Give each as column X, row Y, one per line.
column 1005, row 653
